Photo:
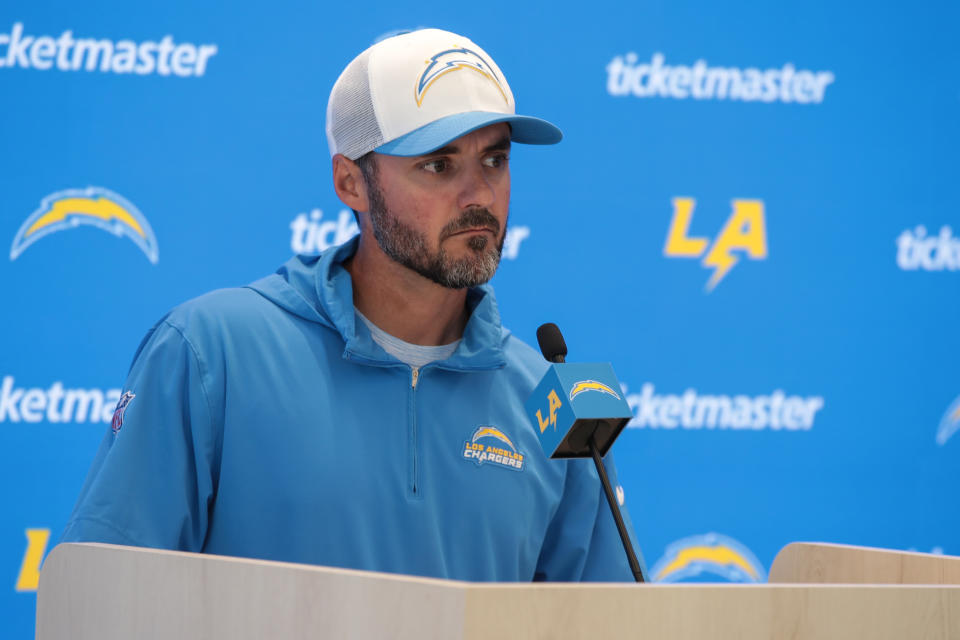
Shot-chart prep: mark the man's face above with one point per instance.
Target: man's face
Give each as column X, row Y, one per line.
column 444, row 215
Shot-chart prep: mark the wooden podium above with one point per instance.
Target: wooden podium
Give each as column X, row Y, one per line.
column 109, row 592
column 805, row 562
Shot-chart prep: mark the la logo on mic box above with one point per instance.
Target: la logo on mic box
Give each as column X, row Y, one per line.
column 574, row 401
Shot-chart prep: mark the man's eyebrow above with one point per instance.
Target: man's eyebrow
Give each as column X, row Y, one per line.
column 449, row 150
column 503, row 144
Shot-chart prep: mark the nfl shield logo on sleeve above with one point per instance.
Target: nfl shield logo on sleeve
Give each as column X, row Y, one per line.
column 117, row 421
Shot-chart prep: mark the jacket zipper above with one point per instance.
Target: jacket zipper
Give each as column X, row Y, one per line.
column 412, row 479
column 414, row 470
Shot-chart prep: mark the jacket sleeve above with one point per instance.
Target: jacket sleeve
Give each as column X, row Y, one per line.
column 153, row 480
column 582, row 542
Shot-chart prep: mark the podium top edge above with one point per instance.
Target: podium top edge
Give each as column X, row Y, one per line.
column 62, row 553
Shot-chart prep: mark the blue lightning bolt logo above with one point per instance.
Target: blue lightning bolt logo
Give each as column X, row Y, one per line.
column 456, row 59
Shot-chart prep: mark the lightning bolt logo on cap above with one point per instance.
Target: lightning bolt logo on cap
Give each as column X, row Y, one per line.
column 94, row 206
column 456, row 59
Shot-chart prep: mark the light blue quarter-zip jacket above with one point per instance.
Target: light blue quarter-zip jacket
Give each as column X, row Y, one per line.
column 265, row 422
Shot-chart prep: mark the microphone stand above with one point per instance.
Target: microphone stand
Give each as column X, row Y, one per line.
column 615, row 508
column 554, row 349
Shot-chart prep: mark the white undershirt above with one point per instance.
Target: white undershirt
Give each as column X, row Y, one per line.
column 414, row 355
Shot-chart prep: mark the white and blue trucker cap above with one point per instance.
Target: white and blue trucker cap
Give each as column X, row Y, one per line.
column 413, row 93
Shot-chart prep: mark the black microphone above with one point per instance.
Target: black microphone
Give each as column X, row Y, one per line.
column 552, row 345
column 583, row 419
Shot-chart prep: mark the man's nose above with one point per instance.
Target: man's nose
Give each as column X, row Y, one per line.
column 477, row 189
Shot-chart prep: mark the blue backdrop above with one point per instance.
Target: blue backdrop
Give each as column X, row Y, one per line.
column 752, row 216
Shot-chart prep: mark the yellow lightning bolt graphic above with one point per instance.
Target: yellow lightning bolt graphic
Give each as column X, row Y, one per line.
column 98, row 207
column 722, row 262
column 29, row 577
column 719, row 555
column 591, row 385
column 495, row 433
column 956, row 414
column 745, row 230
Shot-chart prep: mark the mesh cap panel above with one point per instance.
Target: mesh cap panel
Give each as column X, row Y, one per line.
column 352, row 127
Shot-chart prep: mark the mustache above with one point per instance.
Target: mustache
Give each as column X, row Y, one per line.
column 471, row 219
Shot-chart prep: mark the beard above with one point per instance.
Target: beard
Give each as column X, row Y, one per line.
column 408, row 246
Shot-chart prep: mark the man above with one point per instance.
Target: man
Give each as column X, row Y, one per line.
column 364, row 408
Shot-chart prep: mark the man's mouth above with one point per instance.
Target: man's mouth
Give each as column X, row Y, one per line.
column 472, row 222
column 473, row 230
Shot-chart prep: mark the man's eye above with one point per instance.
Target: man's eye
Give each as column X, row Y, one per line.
column 496, row 161
column 436, row 166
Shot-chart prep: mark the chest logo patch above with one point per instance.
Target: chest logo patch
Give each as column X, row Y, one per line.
column 489, row 444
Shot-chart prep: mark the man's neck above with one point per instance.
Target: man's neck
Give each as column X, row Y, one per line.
column 402, row 302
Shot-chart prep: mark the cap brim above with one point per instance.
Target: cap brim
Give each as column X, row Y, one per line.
column 430, row 137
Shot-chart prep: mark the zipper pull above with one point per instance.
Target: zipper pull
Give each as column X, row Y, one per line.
column 415, row 375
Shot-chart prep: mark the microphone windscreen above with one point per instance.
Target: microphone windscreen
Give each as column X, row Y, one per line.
column 552, row 346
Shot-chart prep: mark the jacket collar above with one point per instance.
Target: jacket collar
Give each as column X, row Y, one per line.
column 480, row 348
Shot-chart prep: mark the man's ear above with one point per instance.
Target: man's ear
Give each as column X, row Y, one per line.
column 349, row 183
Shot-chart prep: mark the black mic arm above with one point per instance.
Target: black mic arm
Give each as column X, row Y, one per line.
column 615, row 509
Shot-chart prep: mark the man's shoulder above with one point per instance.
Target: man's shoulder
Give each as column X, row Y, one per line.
column 220, row 307
column 267, row 307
